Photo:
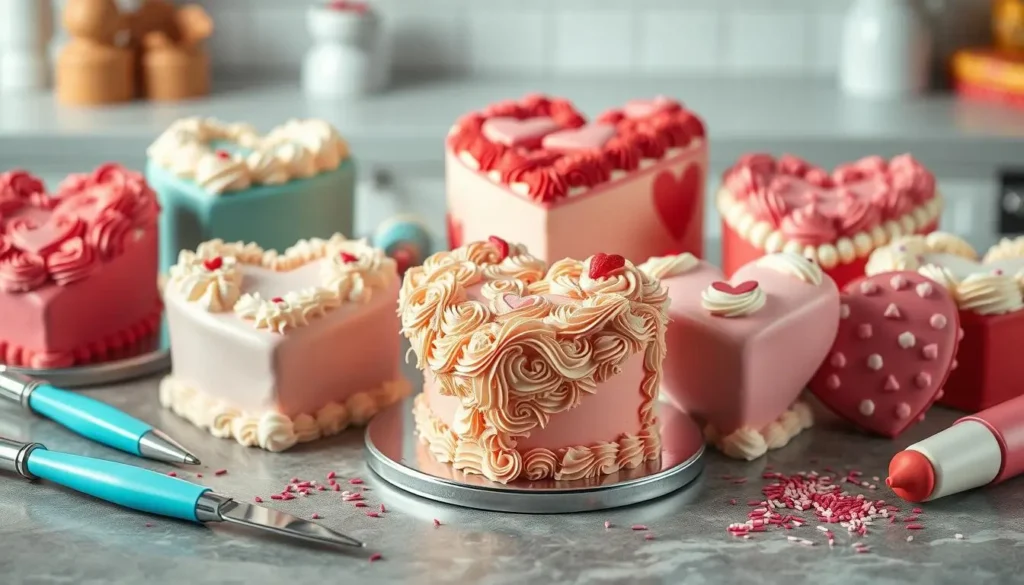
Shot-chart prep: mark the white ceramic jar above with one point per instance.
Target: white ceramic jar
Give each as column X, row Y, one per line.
column 348, row 57
column 886, row 49
column 25, row 30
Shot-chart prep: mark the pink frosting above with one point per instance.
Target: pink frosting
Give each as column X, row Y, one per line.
column 63, row 238
column 815, row 207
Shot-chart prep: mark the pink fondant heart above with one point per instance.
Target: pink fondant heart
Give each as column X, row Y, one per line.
column 645, row 108
column 46, row 238
column 745, row 372
column 517, row 302
column 675, row 199
column 515, row 132
column 589, row 137
column 885, row 372
column 740, row 289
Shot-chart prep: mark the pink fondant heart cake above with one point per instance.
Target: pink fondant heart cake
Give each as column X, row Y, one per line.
column 534, row 373
column 898, row 336
column 77, row 268
column 742, row 350
column 536, row 171
column 772, row 205
column 273, row 349
column 989, row 297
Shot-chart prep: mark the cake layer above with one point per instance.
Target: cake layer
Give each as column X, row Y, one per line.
column 273, row 216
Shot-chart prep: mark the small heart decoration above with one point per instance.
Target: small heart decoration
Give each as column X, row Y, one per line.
column 602, row 264
column 348, row 258
column 502, row 246
column 45, row 239
column 645, row 108
column 883, row 373
column 515, row 301
column 519, row 133
column 740, row 289
column 589, row 137
column 675, row 199
column 213, row 263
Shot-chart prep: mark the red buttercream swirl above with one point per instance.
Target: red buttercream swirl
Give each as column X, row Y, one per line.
column 912, row 178
column 622, row 154
column 611, row 117
column 584, row 169
column 506, row 109
column 856, row 215
column 484, row 152
column 807, row 226
column 108, row 232
column 19, row 184
column 693, row 125
column 5, row 245
column 544, row 184
column 21, row 272
column 819, row 178
column 744, row 181
column 650, row 144
column 793, row 165
column 768, row 205
column 894, row 203
column 672, row 129
column 73, row 261
column 565, row 114
column 515, row 163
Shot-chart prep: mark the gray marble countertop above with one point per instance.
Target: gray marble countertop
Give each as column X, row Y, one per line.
column 407, row 124
column 51, row 535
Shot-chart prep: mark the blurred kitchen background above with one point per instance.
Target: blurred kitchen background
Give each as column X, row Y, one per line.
column 762, row 73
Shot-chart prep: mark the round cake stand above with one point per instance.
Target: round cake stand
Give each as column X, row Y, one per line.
column 394, row 452
column 151, row 361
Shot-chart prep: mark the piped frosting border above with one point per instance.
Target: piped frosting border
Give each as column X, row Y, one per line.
column 991, row 292
column 749, row 443
column 271, row 430
column 751, row 207
column 298, row 149
column 557, row 354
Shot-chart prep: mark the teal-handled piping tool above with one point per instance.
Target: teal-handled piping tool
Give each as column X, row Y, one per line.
column 92, row 419
column 155, row 493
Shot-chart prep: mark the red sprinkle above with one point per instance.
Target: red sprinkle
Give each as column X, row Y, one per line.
column 336, row 487
column 376, row 557
column 360, row 504
column 383, row 509
column 277, row 300
column 373, row 514
column 332, row 475
column 213, row 263
column 295, row 480
column 320, row 488
column 173, row 474
column 258, row 500
column 639, row 527
column 732, row 502
column 648, row 536
column 199, row 475
column 277, row 497
column 355, row 481
column 915, row 527
column 149, row 524
column 437, row 522
column 316, row 516
column 916, row 510
column 220, row 472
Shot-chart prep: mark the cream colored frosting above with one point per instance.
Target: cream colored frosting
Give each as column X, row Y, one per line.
column 271, row 430
column 949, row 261
column 844, row 251
column 355, row 280
column 513, row 367
column 295, row 150
column 724, row 304
column 749, row 444
column 796, row 265
column 669, row 266
column 215, row 290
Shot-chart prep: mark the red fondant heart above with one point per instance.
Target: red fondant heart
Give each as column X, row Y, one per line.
column 348, row 258
column 502, row 246
column 676, row 199
column 46, row 238
column 645, row 108
column 604, row 264
column 517, row 302
column 213, row 263
column 884, row 373
column 514, row 132
column 589, row 137
column 454, row 232
column 740, row 289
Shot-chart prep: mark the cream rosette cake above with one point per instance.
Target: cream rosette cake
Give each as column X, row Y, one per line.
column 990, row 296
column 274, row 348
column 533, row 373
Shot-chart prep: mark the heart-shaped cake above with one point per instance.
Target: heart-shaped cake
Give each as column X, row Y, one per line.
column 537, row 171
column 741, row 350
column 534, row 373
column 228, row 181
column 272, row 349
column 837, row 218
column 897, row 342
column 989, row 296
column 77, row 268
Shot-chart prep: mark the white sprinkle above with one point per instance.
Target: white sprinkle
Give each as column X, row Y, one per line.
column 958, row 536
column 910, row 539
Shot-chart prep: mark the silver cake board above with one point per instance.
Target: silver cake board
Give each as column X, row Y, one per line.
column 395, row 453
column 155, row 360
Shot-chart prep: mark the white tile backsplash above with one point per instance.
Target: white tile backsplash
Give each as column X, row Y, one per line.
column 593, row 42
column 587, row 37
column 680, row 41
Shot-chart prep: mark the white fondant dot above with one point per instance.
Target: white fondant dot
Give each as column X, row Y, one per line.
column 867, row 407
column 833, row 382
column 925, row 290
column 838, row 360
column 906, row 340
column 902, row 410
column 864, row 331
column 844, row 311
column 923, row 380
column 892, row 311
column 868, row 287
column 875, row 362
column 937, row 321
column 898, row 282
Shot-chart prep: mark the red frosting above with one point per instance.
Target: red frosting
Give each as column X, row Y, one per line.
column 549, row 175
column 67, row 235
column 812, row 206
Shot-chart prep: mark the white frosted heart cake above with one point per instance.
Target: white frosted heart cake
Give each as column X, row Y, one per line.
column 990, row 296
column 533, row 373
column 741, row 350
column 274, row 348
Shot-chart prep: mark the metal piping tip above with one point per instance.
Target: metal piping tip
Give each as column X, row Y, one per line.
column 156, row 445
column 283, row 524
column 191, row 459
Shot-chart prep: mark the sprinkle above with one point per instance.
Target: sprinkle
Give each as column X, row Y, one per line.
column 383, row 509
column 639, row 527
column 361, row 504
column 376, row 557
column 648, row 536
column 864, row 550
column 732, row 502
column 277, row 497
column 320, row 488
column 351, row 497
column 295, row 480
column 258, row 500
column 916, row 510
column 958, row 536
column 220, row 472
column 336, row 488
column 173, row 474
column 355, row 481
column 607, row 525
column 332, row 475
column 740, row 480
column 149, row 524
column 315, row 516
column 911, row 519
column 373, row 514
column 910, row 539
column 915, row 527
column 438, row 523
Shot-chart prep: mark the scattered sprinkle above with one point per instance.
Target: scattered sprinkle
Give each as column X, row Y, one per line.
column 376, row 557
column 639, row 527
column 220, row 472
column 295, row 480
column 958, row 536
column 258, row 500
column 316, row 516
column 355, row 481
column 607, row 525
column 277, row 497
column 199, row 475
column 383, row 509
column 373, row 514
column 438, row 522
column 336, row 487
column 360, row 504
column 648, row 536
column 916, row 510
column 910, row 539
column 732, row 502
column 915, row 527
column 149, row 524
column 173, row 474
column 332, row 475
column 320, row 488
